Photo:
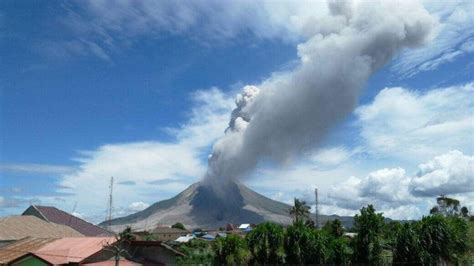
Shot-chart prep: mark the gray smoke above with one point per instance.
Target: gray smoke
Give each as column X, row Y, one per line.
column 292, row 112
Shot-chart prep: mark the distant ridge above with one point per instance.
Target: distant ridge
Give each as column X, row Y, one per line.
column 198, row 206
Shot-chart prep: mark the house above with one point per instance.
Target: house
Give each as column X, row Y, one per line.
column 167, row 233
column 69, row 250
column 230, row 227
column 350, row 235
column 13, row 228
column 54, row 215
column 245, row 227
column 209, row 237
column 112, row 262
column 97, row 251
column 184, row 239
column 21, row 247
column 153, row 253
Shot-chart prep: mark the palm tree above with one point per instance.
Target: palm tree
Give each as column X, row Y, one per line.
column 266, row 244
column 299, row 211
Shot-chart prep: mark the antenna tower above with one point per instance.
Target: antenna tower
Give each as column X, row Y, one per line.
column 109, row 209
column 316, row 207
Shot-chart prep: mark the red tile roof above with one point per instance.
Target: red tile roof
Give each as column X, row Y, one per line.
column 57, row 216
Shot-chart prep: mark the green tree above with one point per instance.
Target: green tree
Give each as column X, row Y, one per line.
column 449, row 207
column 306, row 245
column 198, row 252
column 126, row 234
column 391, row 231
column 266, row 244
column 178, row 226
column 340, row 251
column 459, row 229
column 407, row 246
column 299, row 211
column 334, row 228
column 435, row 239
column 231, row 250
column 369, row 226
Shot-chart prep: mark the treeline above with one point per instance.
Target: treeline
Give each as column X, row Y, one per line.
column 435, row 239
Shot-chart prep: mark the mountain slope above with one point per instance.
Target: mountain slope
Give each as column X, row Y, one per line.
column 200, row 206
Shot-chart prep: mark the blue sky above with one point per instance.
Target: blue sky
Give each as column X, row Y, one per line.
column 90, row 90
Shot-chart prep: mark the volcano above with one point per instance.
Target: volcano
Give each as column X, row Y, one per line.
column 201, row 206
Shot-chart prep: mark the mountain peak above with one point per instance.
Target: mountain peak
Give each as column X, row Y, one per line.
column 207, row 206
column 212, row 205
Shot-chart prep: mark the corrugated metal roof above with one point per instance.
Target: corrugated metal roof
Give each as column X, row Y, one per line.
column 58, row 216
column 19, row 227
column 168, row 230
column 111, row 262
column 72, row 249
column 22, row 247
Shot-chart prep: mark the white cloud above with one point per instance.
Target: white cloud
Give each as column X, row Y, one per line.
column 454, row 39
column 101, row 29
column 409, row 125
column 385, row 188
column 156, row 169
column 212, row 20
column 331, row 156
column 403, row 196
column 36, row 168
column 450, row 173
column 138, row 206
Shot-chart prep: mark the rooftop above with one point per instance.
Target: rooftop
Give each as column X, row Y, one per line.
column 58, row 216
column 168, row 230
column 22, row 247
column 19, row 227
column 72, row 249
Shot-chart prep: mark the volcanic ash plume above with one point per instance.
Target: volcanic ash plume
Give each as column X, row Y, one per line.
column 291, row 112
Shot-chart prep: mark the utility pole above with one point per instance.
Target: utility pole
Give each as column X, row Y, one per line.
column 316, row 207
column 110, row 205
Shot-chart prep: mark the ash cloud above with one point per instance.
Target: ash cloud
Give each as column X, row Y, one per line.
column 292, row 112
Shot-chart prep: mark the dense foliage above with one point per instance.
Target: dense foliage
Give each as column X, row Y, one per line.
column 435, row 239
column 178, row 226
column 266, row 244
column 306, row 245
column 198, row 252
column 334, row 228
column 368, row 243
column 231, row 250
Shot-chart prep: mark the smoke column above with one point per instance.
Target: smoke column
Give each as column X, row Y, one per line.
column 291, row 112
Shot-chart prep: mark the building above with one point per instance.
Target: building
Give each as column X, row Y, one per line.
column 185, row 239
column 230, row 227
column 153, row 253
column 54, row 215
column 245, row 227
column 14, row 228
column 167, row 233
column 21, row 247
column 112, row 262
column 69, row 250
